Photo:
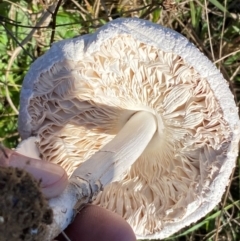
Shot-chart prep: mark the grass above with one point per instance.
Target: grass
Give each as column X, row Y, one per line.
column 28, row 28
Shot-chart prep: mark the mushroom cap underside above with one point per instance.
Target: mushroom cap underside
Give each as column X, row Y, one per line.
column 79, row 94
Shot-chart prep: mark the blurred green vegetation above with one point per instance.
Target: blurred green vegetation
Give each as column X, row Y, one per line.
column 28, row 28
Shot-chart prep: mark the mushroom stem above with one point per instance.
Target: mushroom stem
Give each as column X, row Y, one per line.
column 105, row 166
column 109, row 163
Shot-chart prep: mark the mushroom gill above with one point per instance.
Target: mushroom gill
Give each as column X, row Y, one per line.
column 79, row 106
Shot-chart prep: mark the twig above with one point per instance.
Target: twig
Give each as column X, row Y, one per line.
column 14, row 23
column 96, row 8
column 16, row 52
column 19, row 6
column 54, row 17
column 222, row 32
column 65, row 236
column 194, row 37
column 12, row 85
column 223, row 205
column 149, row 10
column 8, row 136
column 15, row 39
column 226, row 56
column 106, row 10
column 209, row 31
column 81, row 10
column 235, row 73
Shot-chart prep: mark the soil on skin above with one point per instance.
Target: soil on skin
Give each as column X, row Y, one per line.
column 24, row 212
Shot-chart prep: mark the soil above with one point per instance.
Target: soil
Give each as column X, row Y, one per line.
column 24, row 212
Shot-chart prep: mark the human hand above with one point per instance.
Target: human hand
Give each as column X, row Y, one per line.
column 92, row 223
column 53, row 179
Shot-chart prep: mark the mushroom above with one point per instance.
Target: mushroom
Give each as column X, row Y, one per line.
column 137, row 110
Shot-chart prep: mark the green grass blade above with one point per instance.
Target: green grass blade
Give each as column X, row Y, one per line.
column 218, row 5
column 205, row 221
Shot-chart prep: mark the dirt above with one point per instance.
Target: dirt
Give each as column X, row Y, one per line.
column 24, row 212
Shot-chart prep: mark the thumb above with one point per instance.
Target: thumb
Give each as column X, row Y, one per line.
column 53, row 178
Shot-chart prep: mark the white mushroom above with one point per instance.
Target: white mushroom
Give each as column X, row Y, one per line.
column 149, row 113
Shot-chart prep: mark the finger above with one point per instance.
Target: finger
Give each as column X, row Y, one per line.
column 94, row 223
column 53, row 179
